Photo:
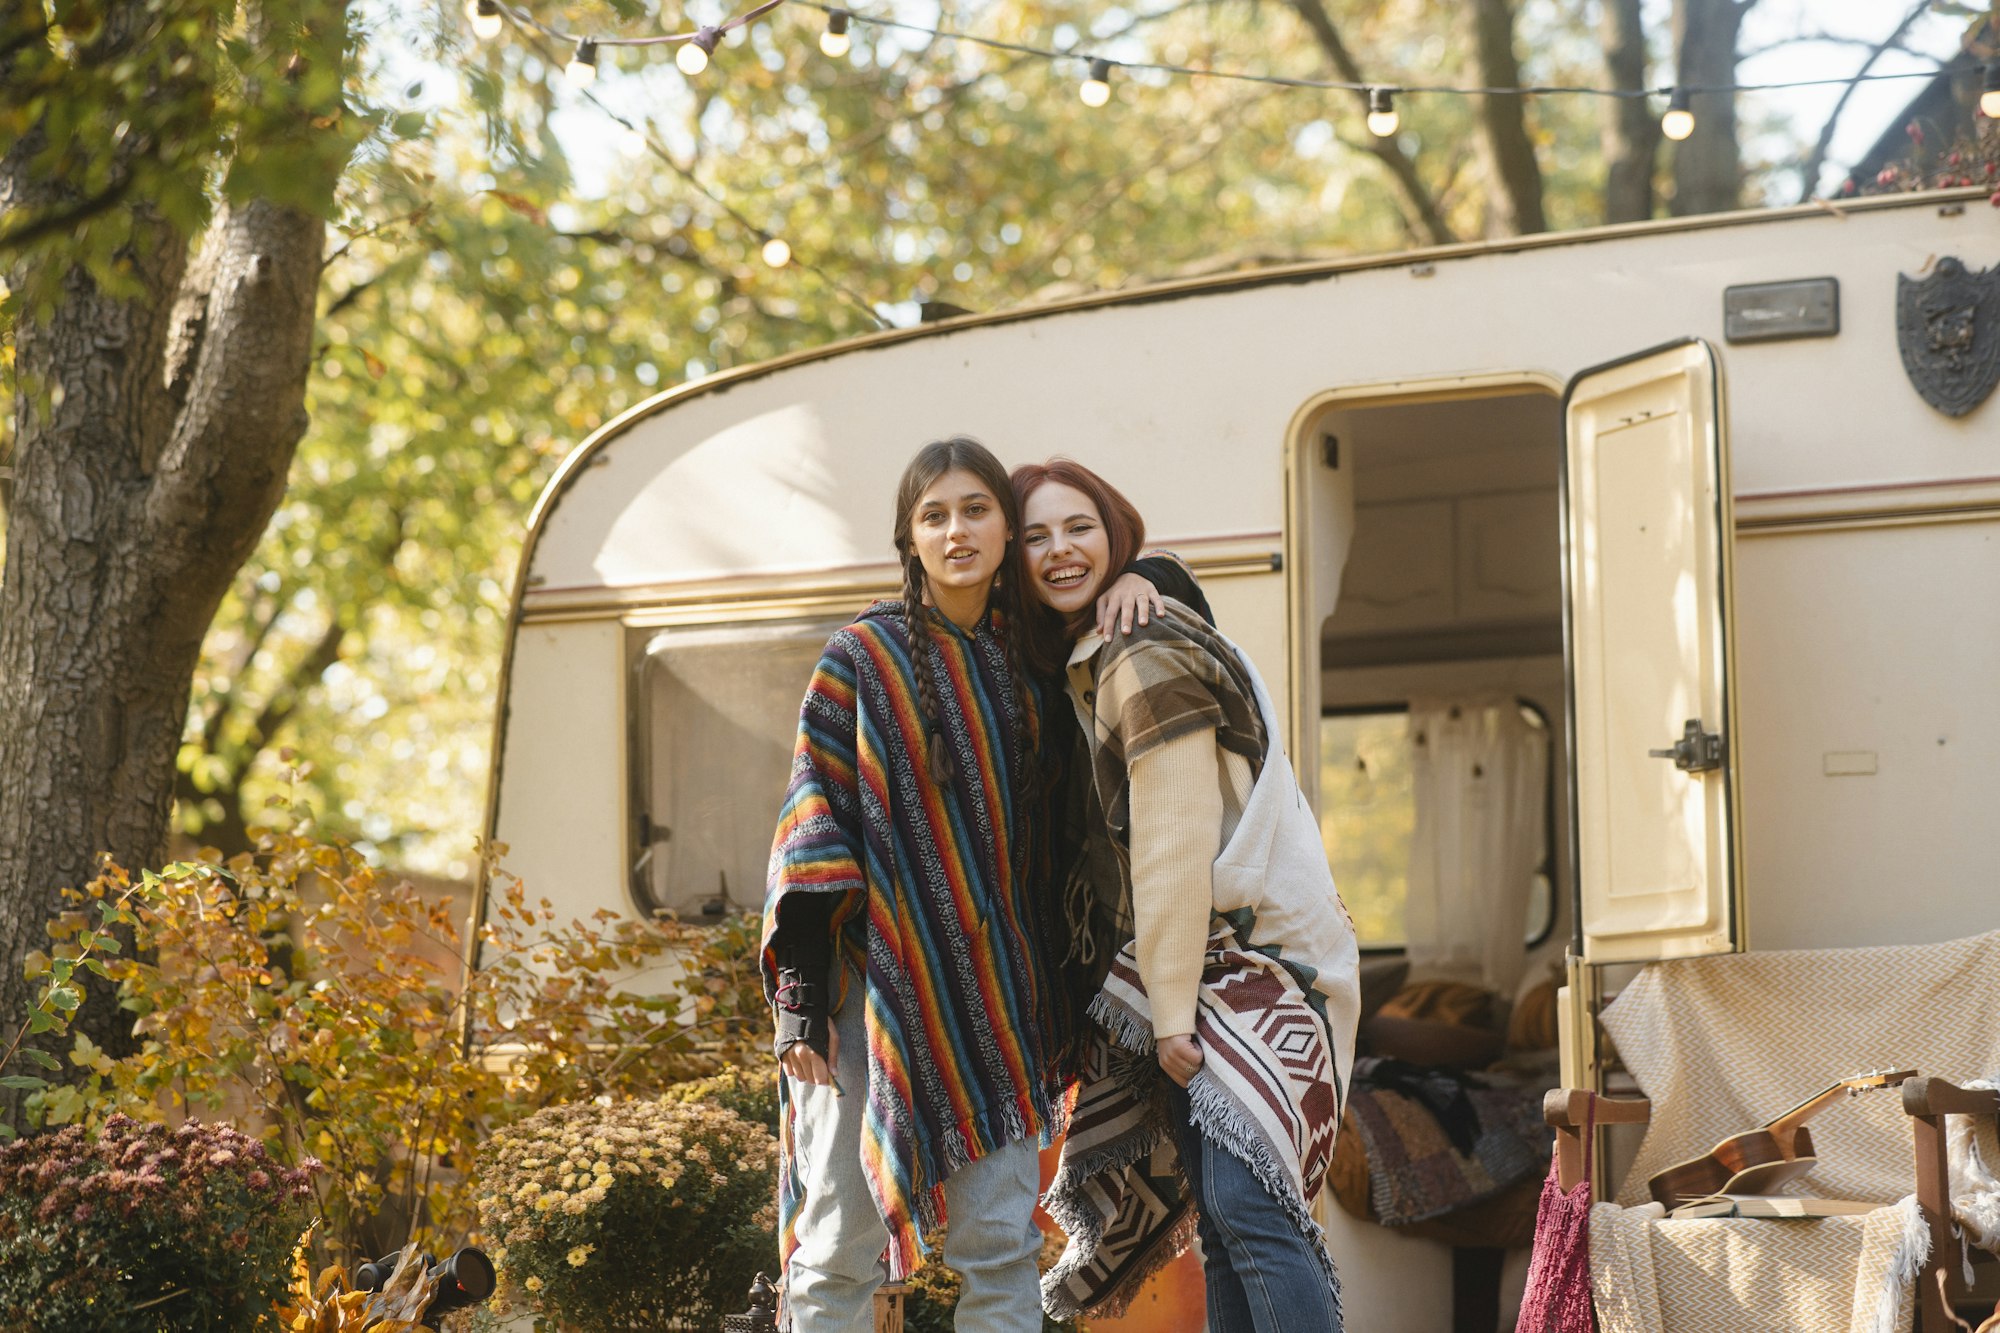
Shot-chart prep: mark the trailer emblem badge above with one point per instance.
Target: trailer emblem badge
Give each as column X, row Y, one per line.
column 1948, row 325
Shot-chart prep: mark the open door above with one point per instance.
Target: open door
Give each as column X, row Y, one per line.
column 1647, row 535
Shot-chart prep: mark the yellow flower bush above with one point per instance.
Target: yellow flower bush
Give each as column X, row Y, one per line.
column 324, row 1004
column 633, row 1214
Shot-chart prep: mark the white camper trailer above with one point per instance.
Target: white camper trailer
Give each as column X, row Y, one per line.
column 1664, row 499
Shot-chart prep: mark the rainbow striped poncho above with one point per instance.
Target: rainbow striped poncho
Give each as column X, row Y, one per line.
column 940, row 911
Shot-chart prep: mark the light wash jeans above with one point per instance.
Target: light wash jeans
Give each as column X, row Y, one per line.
column 992, row 1239
column 1261, row 1275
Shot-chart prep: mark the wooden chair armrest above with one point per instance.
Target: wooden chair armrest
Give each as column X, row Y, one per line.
column 1928, row 1101
column 1936, row 1096
column 1568, row 1108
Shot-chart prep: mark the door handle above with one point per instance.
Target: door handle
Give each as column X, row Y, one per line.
column 1697, row 751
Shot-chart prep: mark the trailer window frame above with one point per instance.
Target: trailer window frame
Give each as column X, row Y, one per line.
column 644, row 646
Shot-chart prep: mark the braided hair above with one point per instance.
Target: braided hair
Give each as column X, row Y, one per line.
column 931, row 462
column 917, row 623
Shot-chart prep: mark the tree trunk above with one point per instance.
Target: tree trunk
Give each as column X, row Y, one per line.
column 1708, row 169
column 1631, row 136
column 1515, row 204
column 154, row 431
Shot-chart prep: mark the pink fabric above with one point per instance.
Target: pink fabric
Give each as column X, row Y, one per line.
column 1557, row 1299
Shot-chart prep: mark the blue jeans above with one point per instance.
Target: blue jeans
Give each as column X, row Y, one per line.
column 1261, row 1274
column 992, row 1238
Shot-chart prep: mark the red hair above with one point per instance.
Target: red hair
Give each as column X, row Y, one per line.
column 1048, row 637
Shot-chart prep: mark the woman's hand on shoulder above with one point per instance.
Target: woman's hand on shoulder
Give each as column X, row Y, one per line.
column 1131, row 599
column 1180, row 1057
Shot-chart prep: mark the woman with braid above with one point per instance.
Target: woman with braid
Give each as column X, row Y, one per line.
column 911, row 898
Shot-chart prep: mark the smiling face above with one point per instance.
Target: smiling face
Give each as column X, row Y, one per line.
column 960, row 534
column 1068, row 552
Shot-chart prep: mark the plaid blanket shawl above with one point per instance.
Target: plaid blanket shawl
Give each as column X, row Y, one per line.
column 1280, row 997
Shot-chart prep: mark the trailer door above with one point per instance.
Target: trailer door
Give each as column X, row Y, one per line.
column 1647, row 532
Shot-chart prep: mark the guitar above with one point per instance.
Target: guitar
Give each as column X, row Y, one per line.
column 1758, row 1161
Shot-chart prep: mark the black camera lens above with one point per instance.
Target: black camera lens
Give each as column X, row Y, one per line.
column 374, row 1275
column 464, row 1279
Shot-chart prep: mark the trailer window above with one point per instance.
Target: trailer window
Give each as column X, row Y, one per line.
column 718, row 709
column 1368, row 815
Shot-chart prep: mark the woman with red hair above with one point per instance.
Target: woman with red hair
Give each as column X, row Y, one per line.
column 1221, row 948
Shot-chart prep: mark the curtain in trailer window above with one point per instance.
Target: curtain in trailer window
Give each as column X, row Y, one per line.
column 721, row 711
column 1479, row 771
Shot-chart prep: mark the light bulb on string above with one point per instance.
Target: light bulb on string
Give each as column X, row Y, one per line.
column 1678, row 123
column 1096, row 89
column 582, row 68
column 835, row 42
column 777, row 252
column 632, row 141
column 1382, row 118
column 1989, row 100
column 695, row 51
column 484, row 16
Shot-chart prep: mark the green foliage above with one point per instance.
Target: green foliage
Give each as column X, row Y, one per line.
column 1368, row 815
column 137, row 1228
column 143, row 115
column 513, row 279
column 301, row 988
column 632, row 1215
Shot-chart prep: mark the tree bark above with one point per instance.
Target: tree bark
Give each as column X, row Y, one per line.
column 1708, row 168
column 1631, row 135
column 1506, row 152
column 1421, row 203
column 154, row 431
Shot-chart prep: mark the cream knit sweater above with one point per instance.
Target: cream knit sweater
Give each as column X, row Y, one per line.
column 1186, row 799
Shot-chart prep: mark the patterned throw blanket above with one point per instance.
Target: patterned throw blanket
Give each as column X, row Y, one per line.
column 1280, row 996
column 1438, row 1139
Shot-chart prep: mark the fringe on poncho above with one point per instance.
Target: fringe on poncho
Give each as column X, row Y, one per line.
column 941, row 910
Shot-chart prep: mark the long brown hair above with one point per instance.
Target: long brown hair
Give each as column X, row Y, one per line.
column 931, row 462
column 1048, row 635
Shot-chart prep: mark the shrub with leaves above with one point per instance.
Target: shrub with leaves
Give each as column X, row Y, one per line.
column 632, row 1215
column 304, row 991
column 139, row 1227
column 1972, row 158
column 751, row 1093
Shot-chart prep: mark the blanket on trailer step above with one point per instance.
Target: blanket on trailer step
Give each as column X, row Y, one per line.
column 1280, row 997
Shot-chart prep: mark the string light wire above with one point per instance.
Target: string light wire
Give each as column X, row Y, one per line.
column 764, row 235
column 1342, row 85
column 699, row 42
